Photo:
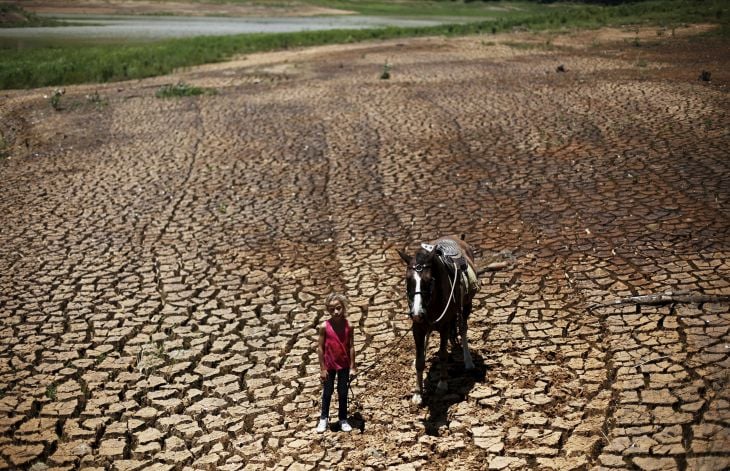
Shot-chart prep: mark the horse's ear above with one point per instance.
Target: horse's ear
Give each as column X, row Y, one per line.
column 406, row 258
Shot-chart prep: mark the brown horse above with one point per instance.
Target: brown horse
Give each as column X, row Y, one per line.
column 440, row 284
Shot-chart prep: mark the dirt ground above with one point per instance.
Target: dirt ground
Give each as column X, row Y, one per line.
column 182, row 8
column 163, row 261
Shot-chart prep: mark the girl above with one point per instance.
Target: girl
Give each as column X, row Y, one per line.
column 336, row 358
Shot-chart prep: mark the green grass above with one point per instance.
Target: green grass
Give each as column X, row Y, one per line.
column 421, row 8
column 51, row 391
column 54, row 66
column 182, row 89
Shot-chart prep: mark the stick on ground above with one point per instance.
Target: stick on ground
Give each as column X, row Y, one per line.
column 666, row 298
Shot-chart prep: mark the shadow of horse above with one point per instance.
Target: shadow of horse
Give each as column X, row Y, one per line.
column 461, row 382
column 357, row 421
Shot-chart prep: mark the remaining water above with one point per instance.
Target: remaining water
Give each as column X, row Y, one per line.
column 91, row 29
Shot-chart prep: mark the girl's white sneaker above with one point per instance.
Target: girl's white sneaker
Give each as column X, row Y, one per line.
column 345, row 426
column 322, row 425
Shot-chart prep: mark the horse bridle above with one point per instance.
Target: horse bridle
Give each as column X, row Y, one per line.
column 419, row 268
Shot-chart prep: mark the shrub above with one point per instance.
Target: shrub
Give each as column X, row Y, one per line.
column 51, row 391
column 55, row 98
column 385, row 75
column 182, row 89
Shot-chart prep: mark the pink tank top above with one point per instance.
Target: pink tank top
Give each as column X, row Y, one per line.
column 336, row 348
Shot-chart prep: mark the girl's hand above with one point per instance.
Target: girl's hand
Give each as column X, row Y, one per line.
column 353, row 373
column 323, row 375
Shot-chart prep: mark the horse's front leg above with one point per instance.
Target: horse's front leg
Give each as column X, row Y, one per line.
column 443, row 385
column 420, row 339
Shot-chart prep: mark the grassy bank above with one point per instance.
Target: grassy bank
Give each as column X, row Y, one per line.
column 13, row 16
column 432, row 8
column 69, row 65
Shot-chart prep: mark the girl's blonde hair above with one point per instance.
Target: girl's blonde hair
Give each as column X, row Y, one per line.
column 336, row 297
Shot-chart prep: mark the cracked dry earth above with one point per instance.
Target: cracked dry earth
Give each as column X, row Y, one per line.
column 163, row 262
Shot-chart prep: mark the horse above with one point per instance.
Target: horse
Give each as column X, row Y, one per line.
column 441, row 282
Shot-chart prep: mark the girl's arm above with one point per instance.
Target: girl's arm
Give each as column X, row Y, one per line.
column 353, row 369
column 320, row 353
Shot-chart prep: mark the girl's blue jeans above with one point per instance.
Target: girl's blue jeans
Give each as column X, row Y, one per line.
column 343, row 381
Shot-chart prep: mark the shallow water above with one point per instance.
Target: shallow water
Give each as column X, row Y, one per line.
column 91, row 29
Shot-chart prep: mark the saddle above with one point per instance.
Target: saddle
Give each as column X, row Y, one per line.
column 452, row 255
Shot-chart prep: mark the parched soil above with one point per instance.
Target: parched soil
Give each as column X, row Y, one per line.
column 163, row 262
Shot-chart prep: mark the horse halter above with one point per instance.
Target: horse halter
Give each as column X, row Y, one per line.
column 421, row 291
column 419, row 268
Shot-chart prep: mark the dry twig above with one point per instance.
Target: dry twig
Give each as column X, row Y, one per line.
column 494, row 266
column 665, row 298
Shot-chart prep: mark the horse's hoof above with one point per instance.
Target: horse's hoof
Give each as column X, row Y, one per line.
column 417, row 399
column 443, row 386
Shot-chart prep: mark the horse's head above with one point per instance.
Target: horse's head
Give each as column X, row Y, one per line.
column 419, row 280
